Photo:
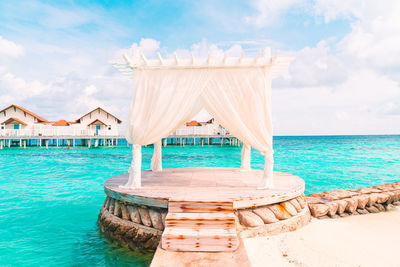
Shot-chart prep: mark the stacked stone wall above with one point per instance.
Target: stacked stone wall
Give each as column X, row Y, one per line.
column 345, row 202
column 132, row 225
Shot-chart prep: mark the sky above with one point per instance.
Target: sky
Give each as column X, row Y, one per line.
column 54, row 55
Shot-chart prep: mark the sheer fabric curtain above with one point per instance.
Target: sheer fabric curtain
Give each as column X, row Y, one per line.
column 156, row 160
column 162, row 101
column 240, row 99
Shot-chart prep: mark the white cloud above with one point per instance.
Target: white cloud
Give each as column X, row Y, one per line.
column 375, row 35
column 10, row 49
column 315, row 66
column 269, row 11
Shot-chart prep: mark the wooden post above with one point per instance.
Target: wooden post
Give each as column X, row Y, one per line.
column 24, row 144
column 96, row 142
column 183, row 143
column 202, row 142
column 89, row 142
column 194, row 140
column 47, row 143
column 1, row 144
column 20, row 142
column 220, row 142
column 9, row 143
column 109, row 143
column 165, row 142
column 57, row 142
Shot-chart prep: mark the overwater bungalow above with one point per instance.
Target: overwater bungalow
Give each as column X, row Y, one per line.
column 17, row 121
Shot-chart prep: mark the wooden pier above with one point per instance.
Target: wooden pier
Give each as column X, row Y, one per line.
column 111, row 141
column 60, row 141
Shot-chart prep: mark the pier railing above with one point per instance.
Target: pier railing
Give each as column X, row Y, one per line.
column 200, row 131
column 55, row 132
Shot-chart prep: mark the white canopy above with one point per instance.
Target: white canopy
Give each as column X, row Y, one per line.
column 168, row 93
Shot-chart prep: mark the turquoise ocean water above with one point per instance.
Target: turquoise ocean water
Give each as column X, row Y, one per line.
column 50, row 199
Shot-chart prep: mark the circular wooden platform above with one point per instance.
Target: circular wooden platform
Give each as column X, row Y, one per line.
column 224, row 185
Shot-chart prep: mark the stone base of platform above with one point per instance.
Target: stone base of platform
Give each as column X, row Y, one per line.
column 132, row 226
column 139, row 226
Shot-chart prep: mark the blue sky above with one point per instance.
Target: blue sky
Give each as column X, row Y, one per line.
column 345, row 79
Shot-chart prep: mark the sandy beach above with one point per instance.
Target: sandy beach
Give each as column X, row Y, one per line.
column 365, row 240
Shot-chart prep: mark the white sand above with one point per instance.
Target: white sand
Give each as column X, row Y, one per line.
column 364, row 240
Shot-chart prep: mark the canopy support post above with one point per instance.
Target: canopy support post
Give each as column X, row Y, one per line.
column 246, row 158
column 156, row 160
column 268, row 177
column 135, row 174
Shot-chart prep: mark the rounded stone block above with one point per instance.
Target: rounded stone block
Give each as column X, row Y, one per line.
column 266, row 215
column 342, row 204
column 117, row 209
column 289, row 208
column 372, row 209
column 124, row 212
column 249, row 219
column 134, row 214
column 302, row 201
column 332, row 208
column 112, row 204
column 362, row 201
column 144, row 216
column 351, row 205
column 279, row 211
column 156, row 219
column 295, row 204
column 373, row 198
column 318, row 210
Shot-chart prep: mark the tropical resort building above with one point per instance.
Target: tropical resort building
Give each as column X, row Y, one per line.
column 195, row 128
column 18, row 125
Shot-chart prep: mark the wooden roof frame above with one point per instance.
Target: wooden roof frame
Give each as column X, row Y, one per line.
column 118, row 120
column 263, row 60
column 40, row 119
column 92, row 123
column 13, row 119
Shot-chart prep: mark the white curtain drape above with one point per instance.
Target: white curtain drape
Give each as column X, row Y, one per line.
column 162, row 101
column 240, row 99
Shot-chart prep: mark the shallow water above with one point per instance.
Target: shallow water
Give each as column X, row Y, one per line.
column 50, row 199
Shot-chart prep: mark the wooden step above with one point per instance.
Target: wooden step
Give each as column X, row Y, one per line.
column 211, row 240
column 220, row 220
column 199, row 206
